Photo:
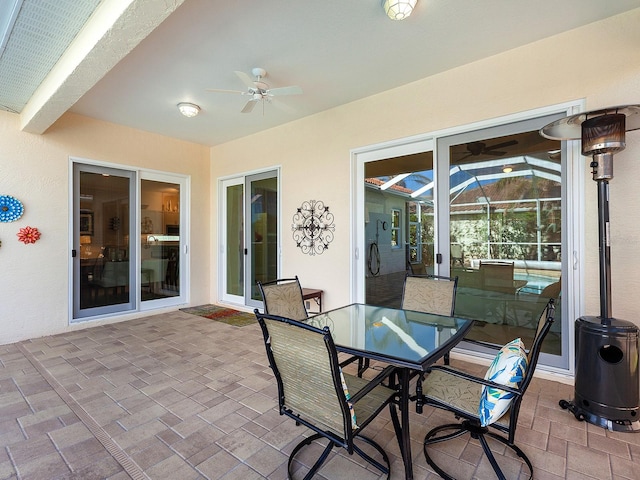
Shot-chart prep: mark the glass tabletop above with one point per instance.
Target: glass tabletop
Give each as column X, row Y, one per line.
column 401, row 337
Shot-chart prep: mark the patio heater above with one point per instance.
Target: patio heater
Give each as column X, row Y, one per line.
column 607, row 385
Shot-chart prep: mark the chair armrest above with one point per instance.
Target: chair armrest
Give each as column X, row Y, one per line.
column 384, row 374
column 482, row 343
column 474, row 379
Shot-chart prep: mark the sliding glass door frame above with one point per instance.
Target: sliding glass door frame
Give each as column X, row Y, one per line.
column 249, row 297
column 79, row 313
column 443, row 145
column 573, row 210
column 133, row 234
column 183, row 277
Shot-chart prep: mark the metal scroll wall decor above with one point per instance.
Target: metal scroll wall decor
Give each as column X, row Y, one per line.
column 313, row 227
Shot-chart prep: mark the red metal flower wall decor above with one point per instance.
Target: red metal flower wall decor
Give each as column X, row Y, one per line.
column 28, row 235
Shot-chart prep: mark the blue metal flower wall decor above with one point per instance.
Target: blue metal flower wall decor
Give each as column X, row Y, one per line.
column 313, row 227
column 11, row 209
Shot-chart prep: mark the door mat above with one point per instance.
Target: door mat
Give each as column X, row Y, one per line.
column 222, row 314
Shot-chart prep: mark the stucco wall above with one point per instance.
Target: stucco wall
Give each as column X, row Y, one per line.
column 34, row 279
column 314, row 154
column 599, row 63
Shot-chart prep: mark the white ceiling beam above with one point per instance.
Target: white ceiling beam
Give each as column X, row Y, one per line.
column 113, row 30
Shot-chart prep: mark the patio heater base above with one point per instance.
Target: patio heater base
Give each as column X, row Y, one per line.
column 612, row 425
column 606, row 381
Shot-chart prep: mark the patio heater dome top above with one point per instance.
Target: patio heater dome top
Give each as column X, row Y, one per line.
column 570, row 128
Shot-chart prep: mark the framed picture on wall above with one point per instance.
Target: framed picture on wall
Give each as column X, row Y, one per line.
column 86, row 222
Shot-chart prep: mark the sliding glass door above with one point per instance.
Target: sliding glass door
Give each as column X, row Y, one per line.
column 249, row 236
column 503, row 231
column 104, row 259
column 392, row 205
column 129, row 240
column 489, row 206
column 160, row 240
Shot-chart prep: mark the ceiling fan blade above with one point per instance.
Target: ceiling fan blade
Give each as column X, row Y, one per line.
column 220, row 90
column 292, row 90
column 246, row 79
column 249, row 106
column 281, row 106
column 493, row 152
column 500, row 145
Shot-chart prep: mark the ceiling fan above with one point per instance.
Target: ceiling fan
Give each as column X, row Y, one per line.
column 475, row 149
column 258, row 90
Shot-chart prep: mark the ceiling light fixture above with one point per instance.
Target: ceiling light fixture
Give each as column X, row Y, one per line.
column 188, row 109
column 507, row 169
column 398, row 9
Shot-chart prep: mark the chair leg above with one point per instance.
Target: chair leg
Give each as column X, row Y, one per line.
column 384, row 468
column 363, row 365
column 476, row 431
column 318, row 463
column 513, row 447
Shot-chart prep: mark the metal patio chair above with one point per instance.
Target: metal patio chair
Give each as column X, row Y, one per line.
column 313, row 391
column 283, row 297
column 481, row 403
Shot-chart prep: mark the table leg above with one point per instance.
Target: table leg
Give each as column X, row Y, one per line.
column 402, row 429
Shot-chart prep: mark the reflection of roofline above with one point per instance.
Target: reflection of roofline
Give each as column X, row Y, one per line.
column 397, row 188
column 479, row 173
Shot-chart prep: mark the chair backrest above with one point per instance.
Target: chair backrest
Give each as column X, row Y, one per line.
column 430, row 293
column 283, row 297
column 552, row 290
column 497, row 276
column 544, row 325
column 114, row 274
column 417, row 268
column 305, row 363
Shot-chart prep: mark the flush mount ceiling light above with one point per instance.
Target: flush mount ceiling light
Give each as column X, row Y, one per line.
column 507, row 169
column 398, row 9
column 188, row 109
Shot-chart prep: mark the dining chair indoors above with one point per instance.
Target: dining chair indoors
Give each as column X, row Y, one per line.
column 486, row 405
column 283, row 297
column 313, row 391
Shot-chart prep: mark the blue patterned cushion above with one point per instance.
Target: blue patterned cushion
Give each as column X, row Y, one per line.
column 508, row 368
column 347, row 395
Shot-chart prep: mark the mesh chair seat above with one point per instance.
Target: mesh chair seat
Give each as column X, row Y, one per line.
column 457, row 393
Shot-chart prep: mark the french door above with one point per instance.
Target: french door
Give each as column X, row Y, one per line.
column 129, row 240
column 249, row 236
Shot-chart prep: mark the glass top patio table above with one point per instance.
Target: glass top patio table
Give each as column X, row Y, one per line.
column 408, row 340
column 403, row 338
